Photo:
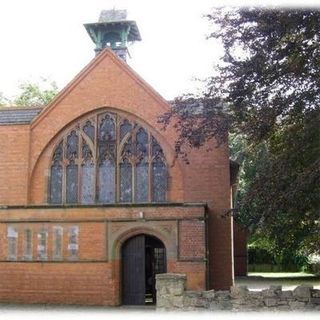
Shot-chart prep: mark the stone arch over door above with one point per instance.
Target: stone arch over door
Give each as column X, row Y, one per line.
column 156, row 229
column 120, row 232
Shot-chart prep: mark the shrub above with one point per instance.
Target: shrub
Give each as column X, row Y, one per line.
column 314, row 264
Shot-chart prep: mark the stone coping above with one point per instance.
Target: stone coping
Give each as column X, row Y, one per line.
column 171, row 276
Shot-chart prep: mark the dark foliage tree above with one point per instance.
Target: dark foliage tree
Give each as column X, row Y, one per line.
column 267, row 90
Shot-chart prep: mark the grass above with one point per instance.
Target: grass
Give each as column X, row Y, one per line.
column 282, row 275
column 288, row 280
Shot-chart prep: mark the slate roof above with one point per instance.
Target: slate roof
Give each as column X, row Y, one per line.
column 18, row 115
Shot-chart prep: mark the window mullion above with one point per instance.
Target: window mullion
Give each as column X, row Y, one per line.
column 64, row 171
column 95, row 151
column 133, row 165
column 149, row 168
column 79, row 164
column 117, row 159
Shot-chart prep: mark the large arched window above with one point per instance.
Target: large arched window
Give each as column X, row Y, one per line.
column 107, row 159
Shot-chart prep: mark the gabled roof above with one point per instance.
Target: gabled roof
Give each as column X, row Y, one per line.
column 105, row 53
column 23, row 115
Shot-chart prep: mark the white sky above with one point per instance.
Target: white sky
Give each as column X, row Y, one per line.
column 46, row 38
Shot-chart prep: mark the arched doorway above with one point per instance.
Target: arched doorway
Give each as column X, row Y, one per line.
column 143, row 257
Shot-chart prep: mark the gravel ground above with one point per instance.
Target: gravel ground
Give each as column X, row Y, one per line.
column 79, row 308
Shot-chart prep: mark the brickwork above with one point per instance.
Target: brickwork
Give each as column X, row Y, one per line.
column 62, row 283
column 192, row 247
column 108, row 83
column 92, row 239
column 195, row 272
column 14, row 143
column 101, row 233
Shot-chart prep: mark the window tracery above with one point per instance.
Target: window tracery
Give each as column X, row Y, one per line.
column 107, row 158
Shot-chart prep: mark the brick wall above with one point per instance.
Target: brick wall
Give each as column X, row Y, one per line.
column 192, row 246
column 62, row 283
column 91, row 234
column 93, row 275
column 14, row 146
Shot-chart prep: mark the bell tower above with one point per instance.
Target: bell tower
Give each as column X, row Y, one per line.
column 113, row 31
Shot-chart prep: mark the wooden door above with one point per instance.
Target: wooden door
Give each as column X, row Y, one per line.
column 133, row 271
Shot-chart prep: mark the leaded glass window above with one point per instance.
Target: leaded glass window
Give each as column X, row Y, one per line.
column 142, row 177
column 108, row 158
column 107, row 129
column 159, row 173
column 87, row 183
column 125, row 128
column 56, row 176
column 27, row 244
column 89, row 130
column 125, row 181
column 106, row 182
column 72, row 145
column 73, row 246
column 42, row 244
column 72, row 183
column 159, row 178
column 87, row 175
column 142, row 166
column 57, row 242
column 12, row 237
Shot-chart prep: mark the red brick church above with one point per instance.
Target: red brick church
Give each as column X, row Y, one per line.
column 94, row 202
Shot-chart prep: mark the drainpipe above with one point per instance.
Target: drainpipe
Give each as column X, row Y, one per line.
column 206, row 218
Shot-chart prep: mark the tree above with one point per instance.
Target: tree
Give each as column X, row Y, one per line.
column 35, row 94
column 3, row 100
column 267, row 90
column 32, row 94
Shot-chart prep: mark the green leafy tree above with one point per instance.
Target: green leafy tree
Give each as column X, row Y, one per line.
column 3, row 100
column 35, row 94
column 267, row 90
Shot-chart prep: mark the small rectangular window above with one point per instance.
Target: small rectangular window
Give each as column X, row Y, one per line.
column 57, row 243
column 27, row 245
column 73, row 246
column 12, row 236
column 42, row 244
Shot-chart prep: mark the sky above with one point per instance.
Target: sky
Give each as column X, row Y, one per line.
column 46, row 39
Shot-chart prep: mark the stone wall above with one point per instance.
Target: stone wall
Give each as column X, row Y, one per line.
column 171, row 295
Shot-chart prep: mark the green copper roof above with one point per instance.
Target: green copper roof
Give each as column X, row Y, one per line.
column 95, row 28
column 113, row 31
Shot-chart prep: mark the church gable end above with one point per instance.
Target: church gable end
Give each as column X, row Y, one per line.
column 92, row 193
